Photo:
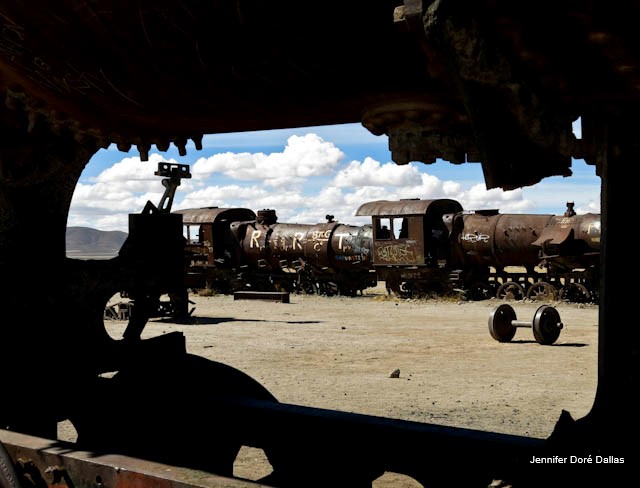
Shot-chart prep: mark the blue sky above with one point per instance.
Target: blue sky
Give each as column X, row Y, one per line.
column 305, row 174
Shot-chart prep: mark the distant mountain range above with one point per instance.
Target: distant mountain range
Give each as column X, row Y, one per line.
column 92, row 243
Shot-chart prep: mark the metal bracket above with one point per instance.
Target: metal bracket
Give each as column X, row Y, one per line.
column 173, row 174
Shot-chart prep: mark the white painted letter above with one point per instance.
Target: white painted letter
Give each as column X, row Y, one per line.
column 254, row 238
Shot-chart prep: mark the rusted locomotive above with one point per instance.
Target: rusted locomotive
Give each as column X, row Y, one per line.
column 418, row 247
column 426, row 246
column 230, row 249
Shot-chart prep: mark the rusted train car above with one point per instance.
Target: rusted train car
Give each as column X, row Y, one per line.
column 417, row 247
column 427, row 246
column 230, row 249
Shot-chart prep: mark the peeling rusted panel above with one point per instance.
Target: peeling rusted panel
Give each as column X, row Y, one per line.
column 287, row 241
column 554, row 235
column 502, row 239
column 585, row 227
column 317, row 244
column 571, row 242
column 589, row 230
column 255, row 244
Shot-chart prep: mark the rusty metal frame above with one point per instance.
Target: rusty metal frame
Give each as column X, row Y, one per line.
column 54, row 464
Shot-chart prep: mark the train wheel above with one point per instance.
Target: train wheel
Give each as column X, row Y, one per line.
column 510, row 290
column 328, row 288
column 576, row 293
column 305, row 283
column 546, row 325
column 542, row 291
column 500, row 323
column 393, row 286
column 310, row 288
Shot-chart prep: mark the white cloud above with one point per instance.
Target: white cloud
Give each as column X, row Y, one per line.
column 451, row 187
column 391, row 182
column 590, row 207
column 371, row 173
column 478, row 198
column 431, row 187
column 303, row 157
column 132, row 174
column 277, row 201
column 219, row 196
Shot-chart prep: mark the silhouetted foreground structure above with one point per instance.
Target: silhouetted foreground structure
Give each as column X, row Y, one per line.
column 497, row 82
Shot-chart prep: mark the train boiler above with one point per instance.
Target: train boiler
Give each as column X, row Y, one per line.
column 497, row 253
column 533, row 256
column 487, row 238
column 327, row 258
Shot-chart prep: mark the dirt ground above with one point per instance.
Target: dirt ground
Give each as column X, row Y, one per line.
column 339, row 353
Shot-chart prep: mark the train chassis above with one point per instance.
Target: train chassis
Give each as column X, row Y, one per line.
column 574, row 286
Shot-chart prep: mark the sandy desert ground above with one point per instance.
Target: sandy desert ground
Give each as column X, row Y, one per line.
column 339, row 352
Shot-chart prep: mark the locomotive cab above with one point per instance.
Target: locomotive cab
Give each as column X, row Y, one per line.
column 411, row 232
column 212, row 253
column 410, row 241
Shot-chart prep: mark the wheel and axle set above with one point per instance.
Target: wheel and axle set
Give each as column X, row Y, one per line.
column 546, row 324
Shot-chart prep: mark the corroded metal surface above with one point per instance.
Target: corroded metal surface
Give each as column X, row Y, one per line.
column 52, row 464
column 408, row 207
column 571, row 241
column 586, row 227
column 501, row 240
column 351, row 247
column 287, row 242
column 263, row 254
